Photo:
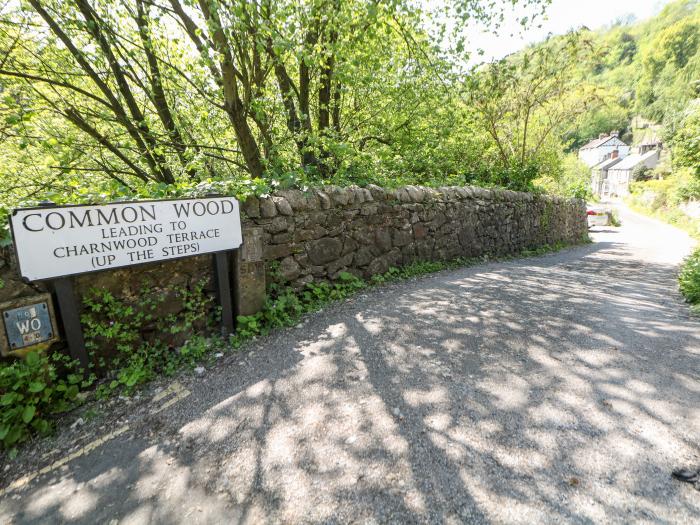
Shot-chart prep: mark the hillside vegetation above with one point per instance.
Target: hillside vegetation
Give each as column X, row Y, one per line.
column 104, row 99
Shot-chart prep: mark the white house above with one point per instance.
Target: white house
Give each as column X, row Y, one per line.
column 621, row 174
column 599, row 181
column 602, row 148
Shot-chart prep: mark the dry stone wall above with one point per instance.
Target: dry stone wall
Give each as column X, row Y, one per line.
column 301, row 237
column 318, row 234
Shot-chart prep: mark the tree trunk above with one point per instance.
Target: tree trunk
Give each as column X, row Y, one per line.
column 336, row 107
column 158, row 92
column 232, row 102
column 115, row 105
column 156, row 160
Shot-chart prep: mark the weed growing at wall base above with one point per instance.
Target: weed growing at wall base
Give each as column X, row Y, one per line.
column 31, row 391
column 112, row 325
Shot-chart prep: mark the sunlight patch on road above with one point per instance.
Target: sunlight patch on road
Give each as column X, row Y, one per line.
column 70, row 457
column 176, row 389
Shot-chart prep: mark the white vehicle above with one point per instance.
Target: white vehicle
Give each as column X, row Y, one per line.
column 598, row 216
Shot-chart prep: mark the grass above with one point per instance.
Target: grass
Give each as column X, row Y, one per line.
column 672, row 216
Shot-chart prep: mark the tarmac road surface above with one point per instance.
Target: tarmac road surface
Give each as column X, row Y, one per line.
column 562, row 388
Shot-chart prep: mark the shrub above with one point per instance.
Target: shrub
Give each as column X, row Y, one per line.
column 573, row 179
column 30, row 392
column 615, row 218
column 689, row 278
column 115, row 331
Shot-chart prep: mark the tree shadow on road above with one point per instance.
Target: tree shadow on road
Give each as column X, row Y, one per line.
column 562, row 388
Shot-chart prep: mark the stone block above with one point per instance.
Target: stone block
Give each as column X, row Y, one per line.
column 339, row 196
column 424, row 249
column 339, row 264
column 402, row 237
column 383, row 239
column 283, row 206
column 281, row 238
column 302, row 259
column 277, row 251
column 278, row 225
column 301, row 283
column 318, row 271
column 324, row 200
column 312, row 201
column 378, row 193
column 252, row 247
column 349, row 245
column 403, row 195
column 415, row 193
column 369, row 209
column 294, row 198
column 251, row 287
column 393, row 257
column 377, row 266
column 289, row 269
column 251, row 207
column 267, row 207
column 315, row 232
column 420, row 231
column 363, row 257
column 363, row 236
column 324, row 250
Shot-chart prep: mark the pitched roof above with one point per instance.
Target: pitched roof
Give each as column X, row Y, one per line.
column 608, row 163
column 595, row 143
column 630, row 162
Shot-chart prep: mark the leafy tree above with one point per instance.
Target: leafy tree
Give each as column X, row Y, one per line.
column 669, row 64
column 166, row 91
column 572, row 179
column 641, row 172
column 526, row 102
column 686, row 143
column 626, row 48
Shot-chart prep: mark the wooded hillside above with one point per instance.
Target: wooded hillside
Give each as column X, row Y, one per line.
column 104, row 99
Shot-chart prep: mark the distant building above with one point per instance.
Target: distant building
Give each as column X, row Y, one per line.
column 599, row 180
column 600, row 149
column 621, row 174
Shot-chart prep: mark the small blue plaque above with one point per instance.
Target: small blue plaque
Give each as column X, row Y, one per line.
column 28, row 325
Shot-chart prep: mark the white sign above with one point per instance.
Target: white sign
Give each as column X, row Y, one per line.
column 58, row 241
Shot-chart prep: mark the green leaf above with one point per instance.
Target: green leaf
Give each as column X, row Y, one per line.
column 33, row 359
column 28, row 413
column 13, row 435
column 36, row 386
column 8, row 398
column 41, row 425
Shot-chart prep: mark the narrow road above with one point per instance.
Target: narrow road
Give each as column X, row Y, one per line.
column 562, row 388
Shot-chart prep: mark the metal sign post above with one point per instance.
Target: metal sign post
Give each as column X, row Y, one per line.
column 223, row 286
column 68, row 309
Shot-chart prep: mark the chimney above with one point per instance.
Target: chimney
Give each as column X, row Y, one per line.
column 614, row 133
column 614, row 154
column 602, row 136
